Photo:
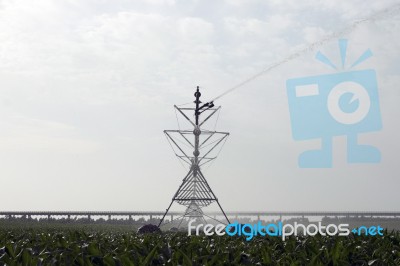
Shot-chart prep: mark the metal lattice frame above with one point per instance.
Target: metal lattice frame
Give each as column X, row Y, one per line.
column 195, row 192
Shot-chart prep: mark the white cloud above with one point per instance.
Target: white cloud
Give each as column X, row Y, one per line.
column 24, row 134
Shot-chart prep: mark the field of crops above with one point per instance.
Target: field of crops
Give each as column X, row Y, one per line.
column 111, row 246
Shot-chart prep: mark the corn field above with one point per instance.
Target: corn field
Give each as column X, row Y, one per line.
column 88, row 246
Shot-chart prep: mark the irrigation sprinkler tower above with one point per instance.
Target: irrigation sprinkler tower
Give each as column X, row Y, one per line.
column 195, row 192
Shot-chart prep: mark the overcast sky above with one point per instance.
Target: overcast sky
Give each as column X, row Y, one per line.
column 87, row 88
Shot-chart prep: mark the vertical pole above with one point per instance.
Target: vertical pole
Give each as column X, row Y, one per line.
column 197, row 94
column 196, row 152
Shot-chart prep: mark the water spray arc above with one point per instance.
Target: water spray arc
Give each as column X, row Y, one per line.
column 195, row 192
column 376, row 16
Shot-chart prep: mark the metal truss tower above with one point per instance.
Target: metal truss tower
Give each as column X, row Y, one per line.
column 195, row 147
